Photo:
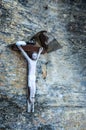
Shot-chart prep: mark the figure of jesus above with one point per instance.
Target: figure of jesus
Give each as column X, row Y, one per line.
column 31, row 74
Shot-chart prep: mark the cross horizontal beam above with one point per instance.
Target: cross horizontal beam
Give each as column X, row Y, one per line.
column 27, row 48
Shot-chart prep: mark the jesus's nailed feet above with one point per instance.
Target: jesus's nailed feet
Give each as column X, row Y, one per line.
column 28, row 106
column 32, row 107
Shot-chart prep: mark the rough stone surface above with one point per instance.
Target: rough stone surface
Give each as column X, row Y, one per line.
column 61, row 75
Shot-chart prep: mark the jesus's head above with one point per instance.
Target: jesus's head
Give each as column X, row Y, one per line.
column 34, row 56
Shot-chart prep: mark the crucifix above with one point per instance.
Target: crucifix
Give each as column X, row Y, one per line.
column 40, row 43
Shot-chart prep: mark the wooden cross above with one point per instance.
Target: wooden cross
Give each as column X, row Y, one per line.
column 41, row 39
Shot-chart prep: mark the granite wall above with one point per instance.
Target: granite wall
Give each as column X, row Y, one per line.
column 61, row 75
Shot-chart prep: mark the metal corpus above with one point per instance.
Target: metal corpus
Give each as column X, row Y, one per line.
column 42, row 42
column 32, row 61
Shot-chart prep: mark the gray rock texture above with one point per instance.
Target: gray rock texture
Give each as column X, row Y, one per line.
column 61, row 75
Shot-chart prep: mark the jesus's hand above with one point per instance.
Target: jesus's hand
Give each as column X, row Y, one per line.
column 41, row 49
column 19, row 43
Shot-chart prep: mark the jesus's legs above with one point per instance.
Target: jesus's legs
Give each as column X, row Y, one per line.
column 31, row 95
column 28, row 100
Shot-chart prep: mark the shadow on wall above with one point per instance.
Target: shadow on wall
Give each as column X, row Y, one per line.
column 23, row 2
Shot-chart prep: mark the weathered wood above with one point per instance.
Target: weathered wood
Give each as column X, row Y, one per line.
column 27, row 48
